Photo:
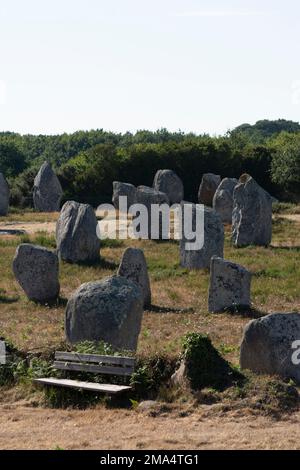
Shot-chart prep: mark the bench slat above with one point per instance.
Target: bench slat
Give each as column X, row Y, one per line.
column 94, row 387
column 78, row 357
column 125, row 371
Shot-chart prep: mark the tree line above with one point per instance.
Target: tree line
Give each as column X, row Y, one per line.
column 87, row 162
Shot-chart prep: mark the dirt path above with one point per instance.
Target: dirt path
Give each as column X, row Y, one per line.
column 119, row 429
column 292, row 217
column 29, row 227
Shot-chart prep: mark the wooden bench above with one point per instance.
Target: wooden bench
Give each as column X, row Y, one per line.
column 93, row 363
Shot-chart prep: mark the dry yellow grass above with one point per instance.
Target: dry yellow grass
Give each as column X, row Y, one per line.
column 179, row 306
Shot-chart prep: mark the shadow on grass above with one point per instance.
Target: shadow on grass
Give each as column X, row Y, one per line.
column 285, row 247
column 4, row 299
column 100, row 263
column 160, row 309
column 246, row 312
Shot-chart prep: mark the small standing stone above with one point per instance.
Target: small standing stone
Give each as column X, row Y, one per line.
column 109, row 310
column 2, row 353
column 4, row 195
column 252, row 214
column 77, row 233
column 229, row 286
column 223, row 199
column 36, row 270
column 208, row 187
column 213, row 240
column 166, row 181
column 47, row 190
column 268, row 346
column 151, row 198
column 134, row 267
column 123, row 189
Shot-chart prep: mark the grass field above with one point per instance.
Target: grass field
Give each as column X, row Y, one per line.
column 179, row 300
column 179, row 296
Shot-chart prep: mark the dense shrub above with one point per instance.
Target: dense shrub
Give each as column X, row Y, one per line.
column 88, row 162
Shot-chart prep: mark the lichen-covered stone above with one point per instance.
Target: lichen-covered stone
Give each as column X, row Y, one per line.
column 229, row 286
column 47, row 190
column 149, row 198
column 166, row 181
column 268, row 346
column 123, row 189
column 223, row 199
column 77, row 233
column 213, row 243
column 36, row 270
column 208, row 187
column 4, row 196
column 109, row 310
column 252, row 214
column 133, row 266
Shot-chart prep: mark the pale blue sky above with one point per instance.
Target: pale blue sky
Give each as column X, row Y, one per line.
column 194, row 65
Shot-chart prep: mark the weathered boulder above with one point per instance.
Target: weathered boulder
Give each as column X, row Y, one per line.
column 47, row 190
column 223, row 199
column 208, row 187
column 268, row 345
column 166, row 181
column 229, row 286
column 213, row 241
column 252, row 214
column 133, row 266
column 123, row 189
column 76, row 233
column 109, row 310
column 4, row 195
column 36, row 270
column 152, row 199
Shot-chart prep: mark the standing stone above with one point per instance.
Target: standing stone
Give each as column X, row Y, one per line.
column 123, row 189
column 213, row 243
column 208, row 187
column 150, row 199
column 223, row 199
column 76, row 233
column 47, row 190
column 36, row 270
column 134, row 267
column 267, row 345
column 2, row 353
column 4, row 195
column 229, row 286
column 166, row 181
column 109, row 310
column 252, row 214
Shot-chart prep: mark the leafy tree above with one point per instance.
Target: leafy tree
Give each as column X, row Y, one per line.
column 12, row 160
column 286, row 163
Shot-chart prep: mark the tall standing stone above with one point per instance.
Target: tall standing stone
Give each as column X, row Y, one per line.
column 252, row 214
column 166, row 181
column 223, row 199
column 268, row 345
column 229, row 286
column 123, row 189
column 76, row 233
column 36, row 270
column 208, row 187
column 213, row 242
column 133, row 266
column 47, row 190
column 4, row 195
column 109, row 310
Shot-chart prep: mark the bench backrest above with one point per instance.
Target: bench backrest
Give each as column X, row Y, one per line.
column 95, row 363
